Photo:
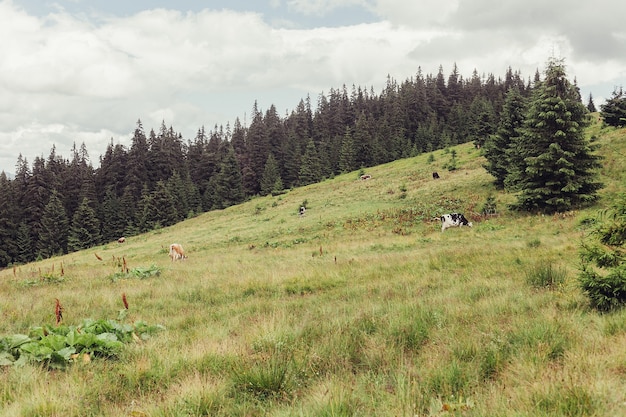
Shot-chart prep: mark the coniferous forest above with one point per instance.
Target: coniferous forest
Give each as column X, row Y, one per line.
column 59, row 205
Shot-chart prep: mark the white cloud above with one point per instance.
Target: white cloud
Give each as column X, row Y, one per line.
column 321, row 7
column 66, row 78
column 417, row 14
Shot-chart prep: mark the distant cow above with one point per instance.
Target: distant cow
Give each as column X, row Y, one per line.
column 177, row 252
column 366, row 177
column 302, row 211
column 435, row 176
column 121, row 240
column 454, row 220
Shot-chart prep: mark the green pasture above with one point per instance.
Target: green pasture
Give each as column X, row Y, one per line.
column 362, row 307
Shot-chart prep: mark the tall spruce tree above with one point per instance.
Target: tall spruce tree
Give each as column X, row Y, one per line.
column 310, row 168
column 228, row 184
column 614, row 110
column 558, row 169
column 159, row 208
column 497, row 146
column 54, row 228
column 590, row 104
column 85, row 228
column 347, row 155
column 270, row 176
column 114, row 220
column 8, row 216
column 482, row 120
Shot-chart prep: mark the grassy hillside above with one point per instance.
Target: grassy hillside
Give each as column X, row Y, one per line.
column 360, row 308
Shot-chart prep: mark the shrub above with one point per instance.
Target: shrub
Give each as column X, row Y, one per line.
column 603, row 272
column 606, row 292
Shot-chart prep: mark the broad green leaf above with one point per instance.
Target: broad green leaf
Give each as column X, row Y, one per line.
column 17, row 340
column 6, row 359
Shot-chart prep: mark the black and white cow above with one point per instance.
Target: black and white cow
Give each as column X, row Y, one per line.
column 302, row 211
column 454, row 220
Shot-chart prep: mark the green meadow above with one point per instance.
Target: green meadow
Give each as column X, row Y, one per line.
column 362, row 307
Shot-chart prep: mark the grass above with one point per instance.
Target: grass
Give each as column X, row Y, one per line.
column 361, row 307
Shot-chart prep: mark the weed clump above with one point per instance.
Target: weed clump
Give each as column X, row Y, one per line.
column 545, row 275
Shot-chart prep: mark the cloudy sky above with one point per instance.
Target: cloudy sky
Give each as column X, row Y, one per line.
column 84, row 71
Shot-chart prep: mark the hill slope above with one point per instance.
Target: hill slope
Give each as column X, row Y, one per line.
column 361, row 307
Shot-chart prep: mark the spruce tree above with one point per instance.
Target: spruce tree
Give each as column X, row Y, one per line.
column 24, row 241
column 270, row 175
column 603, row 267
column 347, row 156
column 497, row 146
column 590, row 105
column 310, row 168
column 614, row 110
column 178, row 191
column 558, row 169
column 8, row 228
column 114, row 220
column 159, row 209
column 482, row 120
column 85, row 229
column 228, row 184
column 54, row 228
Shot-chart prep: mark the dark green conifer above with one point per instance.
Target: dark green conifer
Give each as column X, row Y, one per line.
column 558, row 169
column 270, row 176
column 614, row 110
column 497, row 146
column 54, row 228
column 85, row 229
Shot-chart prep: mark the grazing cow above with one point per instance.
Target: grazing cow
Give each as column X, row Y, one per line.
column 177, row 252
column 454, row 220
column 366, row 177
column 121, row 240
column 435, row 176
column 302, row 211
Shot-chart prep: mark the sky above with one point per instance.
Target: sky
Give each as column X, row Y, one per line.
column 85, row 71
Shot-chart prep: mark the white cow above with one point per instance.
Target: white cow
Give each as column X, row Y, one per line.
column 454, row 220
column 177, row 252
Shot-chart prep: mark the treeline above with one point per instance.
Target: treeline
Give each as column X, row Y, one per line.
column 60, row 205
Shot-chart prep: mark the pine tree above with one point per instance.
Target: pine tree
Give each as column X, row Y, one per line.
column 178, row 191
column 497, row 146
column 558, row 169
column 228, row 184
column 159, row 209
column 603, row 267
column 8, row 229
column 34, row 199
column 590, row 105
column 270, row 176
column 24, row 241
column 114, row 220
column 310, row 168
column 54, row 228
column 614, row 110
column 347, row 156
column 258, row 146
column 136, row 173
column 482, row 120
column 85, row 229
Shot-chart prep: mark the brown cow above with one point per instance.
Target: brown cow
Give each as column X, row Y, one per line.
column 177, row 252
